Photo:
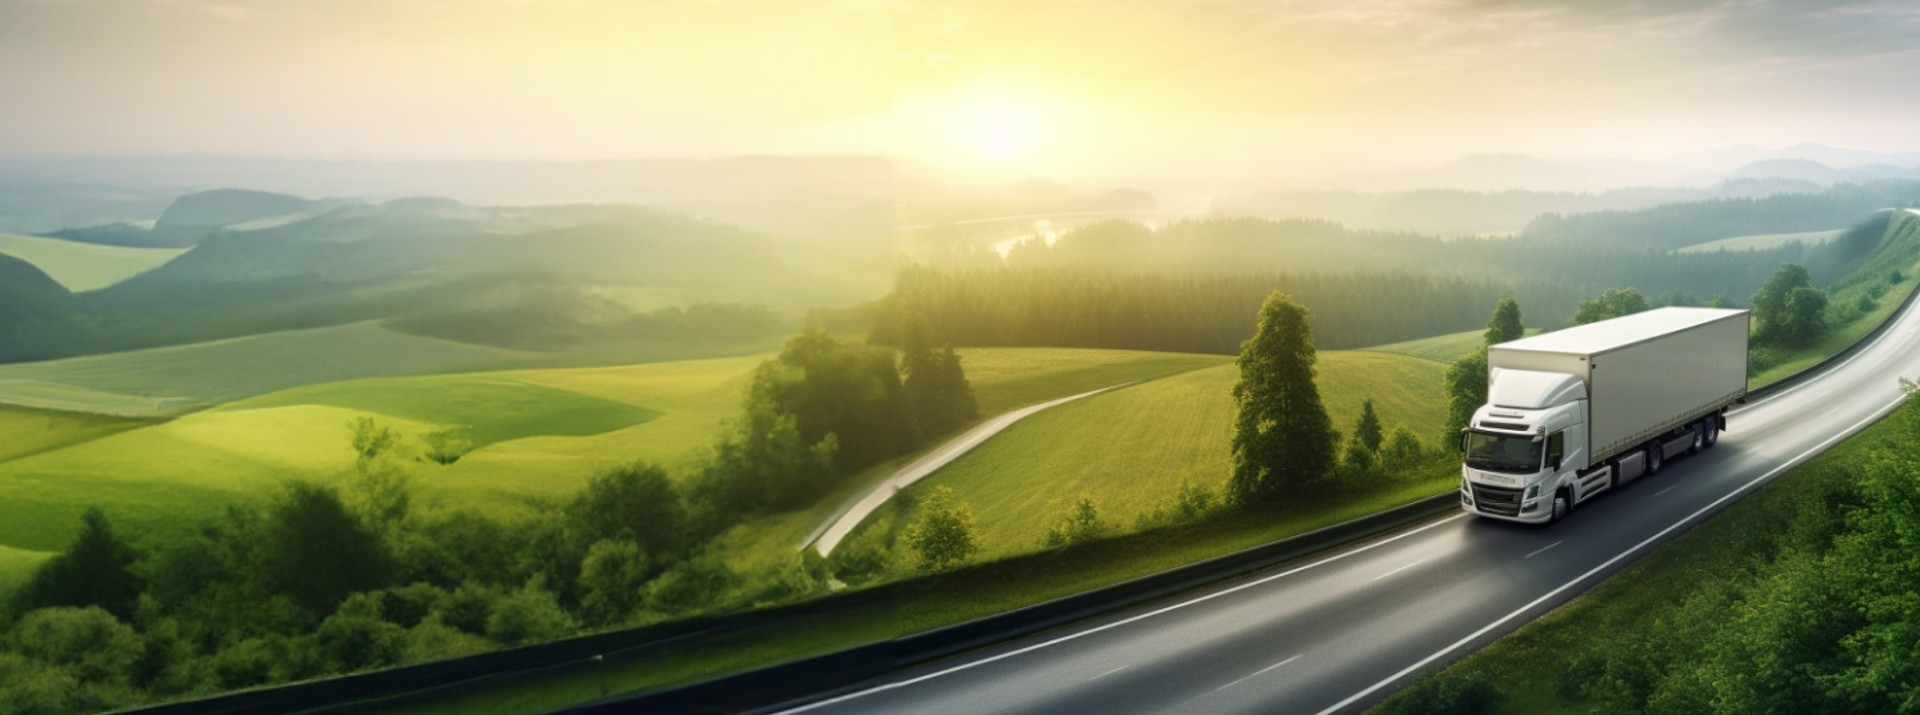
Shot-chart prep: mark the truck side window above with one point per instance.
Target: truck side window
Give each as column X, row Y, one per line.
column 1556, row 447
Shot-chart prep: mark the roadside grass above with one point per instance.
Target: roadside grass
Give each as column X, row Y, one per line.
column 1762, row 241
column 1531, row 667
column 1439, row 348
column 84, row 266
column 173, row 380
column 1005, row 378
column 29, row 431
column 1130, row 450
column 944, row 599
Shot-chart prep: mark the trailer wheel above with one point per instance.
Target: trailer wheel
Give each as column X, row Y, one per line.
column 1699, row 438
column 1656, row 456
column 1711, row 425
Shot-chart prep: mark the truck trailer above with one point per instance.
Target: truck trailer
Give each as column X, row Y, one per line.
column 1575, row 412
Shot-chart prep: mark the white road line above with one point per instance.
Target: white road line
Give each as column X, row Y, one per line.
column 1257, row 673
column 1537, row 552
column 1110, row 672
column 1668, row 489
column 1116, row 624
column 1398, row 570
column 1796, row 461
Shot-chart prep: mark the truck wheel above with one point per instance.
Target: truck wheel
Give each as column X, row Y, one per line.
column 1712, row 427
column 1655, row 457
column 1699, row 438
column 1562, row 506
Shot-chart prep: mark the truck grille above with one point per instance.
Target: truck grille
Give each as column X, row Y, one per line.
column 1497, row 500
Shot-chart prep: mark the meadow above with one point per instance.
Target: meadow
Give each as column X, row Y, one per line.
column 84, row 266
column 1132, row 449
column 1762, row 241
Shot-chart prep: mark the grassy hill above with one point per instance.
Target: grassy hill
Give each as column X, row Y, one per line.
column 1762, row 241
column 31, row 431
column 172, row 380
column 83, row 266
column 539, row 434
column 1131, row 449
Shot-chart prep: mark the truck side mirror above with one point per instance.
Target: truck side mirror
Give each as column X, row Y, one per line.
column 1463, row 441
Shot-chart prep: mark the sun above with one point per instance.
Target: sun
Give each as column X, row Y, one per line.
column 985, row 127
column 1005, row 128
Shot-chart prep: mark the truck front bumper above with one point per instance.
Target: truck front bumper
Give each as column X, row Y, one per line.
column 1505, row 504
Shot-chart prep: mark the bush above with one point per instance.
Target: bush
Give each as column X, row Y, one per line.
column 408, row 605
column 611, row 576
column 467, row 608
column 433, row 640
column 351, row 641
column 943, row 536
column 89, row 641
column 698, row 585
column 1081, row 524
column 1193, row 501
column 1403, row 450
column 1468, row 692
column 529, row 615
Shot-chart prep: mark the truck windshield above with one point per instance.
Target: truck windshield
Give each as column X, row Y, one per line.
column 1503, row 453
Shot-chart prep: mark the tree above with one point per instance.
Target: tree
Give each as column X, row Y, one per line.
column 936, row 385
column 1611, row 303
column 316, row 551
column 1403, row 449
column 1466, row 383
column 763, row 461
column 1081, row 524
column 636, row 504
column 943, row 535
column 1505, row 324
column 1282, row 437
column 1367, row 431
column 1358, row 461
column 95, row 570
column 1787, row 307
column 852, row 392
column 97, row 646
column 529, row 615
column 611, row 575
column 381, row 490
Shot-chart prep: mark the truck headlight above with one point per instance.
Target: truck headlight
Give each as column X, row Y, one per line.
column 1533, row 492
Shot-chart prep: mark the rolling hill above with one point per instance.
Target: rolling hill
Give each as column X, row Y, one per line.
column 84, row 267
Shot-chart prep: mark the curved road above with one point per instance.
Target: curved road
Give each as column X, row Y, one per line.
column 1340, row 633
column 829, row 535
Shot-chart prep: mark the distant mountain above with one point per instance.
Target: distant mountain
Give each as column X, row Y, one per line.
column 1736, row 157
column 195, row 216
column 1809, row 170
column 34, row 319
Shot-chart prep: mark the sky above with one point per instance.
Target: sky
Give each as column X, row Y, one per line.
column 1056, row 88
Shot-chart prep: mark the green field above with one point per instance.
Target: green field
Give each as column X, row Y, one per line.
column 84, row 266
column 1131, row 449
column 1439, row 348
column 17, row 565
column 30, row 431
column 537, row 434
column 173, row 380
column 1762, row 241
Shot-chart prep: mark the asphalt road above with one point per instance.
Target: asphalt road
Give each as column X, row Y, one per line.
column 1339, row 633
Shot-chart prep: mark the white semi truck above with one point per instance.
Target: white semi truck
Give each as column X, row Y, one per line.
column 1575, row 412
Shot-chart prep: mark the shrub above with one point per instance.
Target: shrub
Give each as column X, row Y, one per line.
column 697, row 585
column 1193, row 501
column 1465, row 693
column 467, row 608
column 529, row 615
column 90, row 641
column 611, row 576
column 943, row 536
column 1082, row 523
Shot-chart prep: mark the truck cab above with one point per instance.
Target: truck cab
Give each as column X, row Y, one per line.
column 1527, row 446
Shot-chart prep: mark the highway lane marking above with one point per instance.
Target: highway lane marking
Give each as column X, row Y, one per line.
column 1668, row 489
column 1796, row 461
column 1537, row 552
column 1398, row 570
column 1110, row 672
column 1126, row 621
column 1257, row 673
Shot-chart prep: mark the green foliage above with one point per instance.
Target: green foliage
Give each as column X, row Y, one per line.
column 1366, row 432
column 935, row 384
column 528, row 615
column 468, row 608
column 700, row 584
column 611, row 577
column 357, row 638
column 95, row 570
column 1466, row 388
column 1505, row 325
column 316, row 551
column 1358, row 462
column 446, row 446
column 1403, row 449
column 943, row 535
column 852, row 392
column 1282, row 439
column 1612, row 303
column 90, row 642
column 1082, row 523
column 1468, row 693
column 636, row 504
column 1788, row 310
column 1193, row 501
column 763, row 461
